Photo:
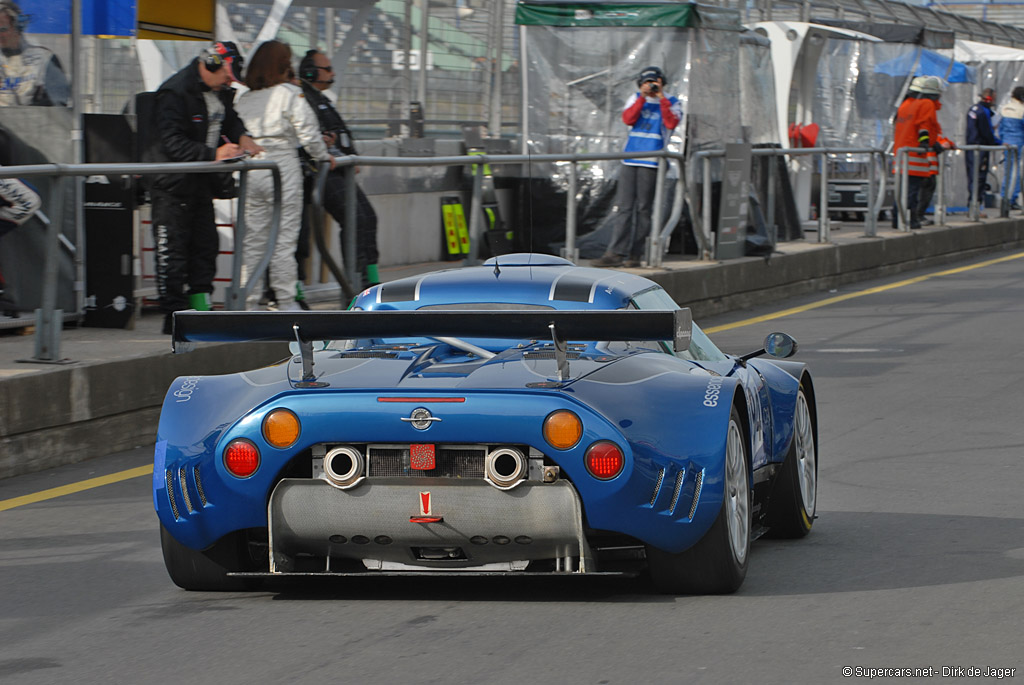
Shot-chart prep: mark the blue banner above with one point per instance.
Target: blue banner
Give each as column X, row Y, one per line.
column 99, row 17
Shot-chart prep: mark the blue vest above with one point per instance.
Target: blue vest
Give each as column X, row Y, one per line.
column 648, row 133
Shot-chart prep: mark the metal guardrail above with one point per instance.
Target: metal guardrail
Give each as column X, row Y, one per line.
column 824, row 227
column 657, row 242
column 49, row 318
column 973, row 208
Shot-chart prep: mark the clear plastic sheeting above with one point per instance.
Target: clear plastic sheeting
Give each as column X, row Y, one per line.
column 578, row 78
column 757, row 95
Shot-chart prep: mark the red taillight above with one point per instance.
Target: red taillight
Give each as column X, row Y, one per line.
column 604, row 460
column 241, row 458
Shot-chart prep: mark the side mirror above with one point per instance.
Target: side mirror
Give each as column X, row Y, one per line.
column 780, row 345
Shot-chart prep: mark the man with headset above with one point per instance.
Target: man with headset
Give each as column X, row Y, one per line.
column 29, row 74
column 195, row 121
column 317, row 75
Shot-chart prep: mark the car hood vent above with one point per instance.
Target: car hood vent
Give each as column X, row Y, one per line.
column 370, row 354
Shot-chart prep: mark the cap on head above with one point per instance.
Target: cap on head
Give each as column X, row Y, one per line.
column 650, row 74
column 224, row 53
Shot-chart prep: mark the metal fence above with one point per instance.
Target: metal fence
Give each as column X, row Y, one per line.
column 49, row 318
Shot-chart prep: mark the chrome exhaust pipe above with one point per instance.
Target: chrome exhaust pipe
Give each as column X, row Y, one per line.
column 344, row 467
column 505, row 468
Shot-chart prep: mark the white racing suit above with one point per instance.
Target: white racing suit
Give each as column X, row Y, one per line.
column 18, row 203
column 32, row 76
column 279, row 119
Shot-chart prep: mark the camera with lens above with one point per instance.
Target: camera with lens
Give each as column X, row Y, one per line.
column 654, row 87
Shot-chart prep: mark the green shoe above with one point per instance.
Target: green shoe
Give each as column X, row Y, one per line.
column 372, row 277
column 200, row 301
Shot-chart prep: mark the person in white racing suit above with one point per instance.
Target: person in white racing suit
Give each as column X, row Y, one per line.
column 278, row 118
column 29, row 74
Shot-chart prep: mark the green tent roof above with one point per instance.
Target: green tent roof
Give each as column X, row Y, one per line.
column 657, row 13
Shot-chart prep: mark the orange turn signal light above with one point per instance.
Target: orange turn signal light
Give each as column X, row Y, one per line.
column 562, row 429
column 281, row 428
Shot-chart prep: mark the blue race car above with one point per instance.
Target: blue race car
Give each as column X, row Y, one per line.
column 527, row 416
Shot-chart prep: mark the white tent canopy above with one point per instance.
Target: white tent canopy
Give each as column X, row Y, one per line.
column 973, row 51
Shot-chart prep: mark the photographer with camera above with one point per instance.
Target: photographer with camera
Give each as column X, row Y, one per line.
column 651, row 116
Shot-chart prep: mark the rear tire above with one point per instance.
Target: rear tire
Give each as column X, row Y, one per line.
column 717, row 564
column 207, row 570
column 792, row 505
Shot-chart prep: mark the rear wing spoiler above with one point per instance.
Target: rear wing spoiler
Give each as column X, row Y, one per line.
column 192, row 327
column 196, row 327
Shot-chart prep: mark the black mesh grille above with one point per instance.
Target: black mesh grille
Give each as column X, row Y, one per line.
column 451, row 461
column 548, row 354
column 680, row 477
column 371, row 354
column 199, row 485
column 184, row 489
column 170, row 492
column 657, row 486
column 696, row 493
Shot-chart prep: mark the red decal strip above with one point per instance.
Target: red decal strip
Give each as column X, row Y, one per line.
column 421, row 399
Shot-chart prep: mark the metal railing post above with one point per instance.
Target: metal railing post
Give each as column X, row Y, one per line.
column 569, row 251
column 903, row 166
column 654, row 235
column 235, row 293
column 673, row 219
column 972, row 199
column 475, row 215
column 823, row 223
column 349, row 230
column 709, row 244
column 50, row 319
column 940, row 192
column 1019, row 165
column 871, row 216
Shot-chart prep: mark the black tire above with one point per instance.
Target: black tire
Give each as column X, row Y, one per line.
column 794, row 500
column 207, row 570
column 712, row 566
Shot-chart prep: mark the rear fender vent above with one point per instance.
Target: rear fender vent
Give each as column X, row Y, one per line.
column 657, row 487
column 169, row 480
column 680, row 478
column 696, row 493
column 184, row 490
column 199, row 484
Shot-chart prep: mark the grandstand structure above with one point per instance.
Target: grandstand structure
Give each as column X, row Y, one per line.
column 976, row 21
column 1002, row 12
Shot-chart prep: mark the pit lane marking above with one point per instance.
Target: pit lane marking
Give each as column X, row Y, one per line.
column 72, row 488
column 861, row 293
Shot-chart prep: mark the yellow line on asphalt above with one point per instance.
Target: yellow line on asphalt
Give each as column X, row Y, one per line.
column 75, row 487
column 860, row 293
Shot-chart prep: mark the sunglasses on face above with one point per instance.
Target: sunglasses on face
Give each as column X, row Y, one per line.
column 327, row 68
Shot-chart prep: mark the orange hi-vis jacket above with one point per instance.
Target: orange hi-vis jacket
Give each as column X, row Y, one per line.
column 917, row 125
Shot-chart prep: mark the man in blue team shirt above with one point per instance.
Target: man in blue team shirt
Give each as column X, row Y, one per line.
column 979, row 132
column 651, row 116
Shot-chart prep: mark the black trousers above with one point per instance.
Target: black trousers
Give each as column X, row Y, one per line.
column 366, row 218
column 976, row 177
column 186, row 242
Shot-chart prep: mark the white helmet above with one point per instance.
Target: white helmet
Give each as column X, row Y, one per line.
column 927, row 85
